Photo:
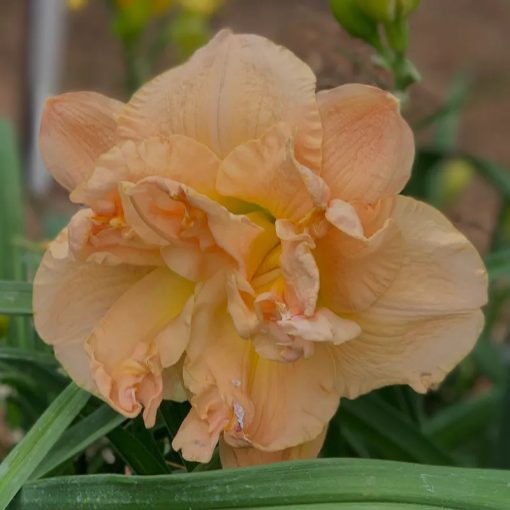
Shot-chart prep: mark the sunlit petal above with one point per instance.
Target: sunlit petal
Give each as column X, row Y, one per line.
column 368, row 148
column 229, row 92
column 76, row 128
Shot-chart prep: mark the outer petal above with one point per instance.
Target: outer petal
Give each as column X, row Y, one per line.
column 428, row 319
column 90, row 239
column 240, row 457
column 293, row 401
column 397, row 350
column 70, row 298
column 355, row 272
column 299, row 268
column 76, row 128
column 177, row 157
column 229, row 92
column 368, row 148
column 265, row 172
column 442, row 272
column 124, row 347
column 193, row 228
column 274, row 405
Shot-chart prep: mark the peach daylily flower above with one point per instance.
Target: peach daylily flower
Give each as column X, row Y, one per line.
column 244, row 246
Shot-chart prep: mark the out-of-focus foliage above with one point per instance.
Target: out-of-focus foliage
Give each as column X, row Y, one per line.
column 146, row 28
column 387, row 11
column 383, row 25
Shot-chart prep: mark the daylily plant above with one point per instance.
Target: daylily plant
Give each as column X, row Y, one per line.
column 243, row 246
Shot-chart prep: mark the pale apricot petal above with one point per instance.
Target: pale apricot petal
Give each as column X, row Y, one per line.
column 323, row 326
column 429, row 318
column 373, row 216
column 173, row 338
column 70, row 298
column 368, row 148
column 76, row 128
column 214, row 356
column 182, row 217
column 442, row 272
column 240, row 457
column 345, row 217
column 356, row 272
column 394, row 349
column 176, row 157
column 299, row 268
column 93, row 241
column 173, row 385
column 293, row 402
column 229, row 92
column 197, row 437
column 275, row 405
column 192, row 263
column 240, row 296
column 265, row 172
column 126, row 362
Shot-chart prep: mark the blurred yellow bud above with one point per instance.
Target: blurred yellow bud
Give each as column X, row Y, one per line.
column 154, row 7
column 203, row 7
column 76, row 5
column 161, row 6
column 457, row 174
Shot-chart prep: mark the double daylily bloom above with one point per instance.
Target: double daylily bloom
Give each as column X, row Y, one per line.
column 243, row 246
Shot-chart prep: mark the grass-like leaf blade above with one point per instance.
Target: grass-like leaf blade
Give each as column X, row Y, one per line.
column 327, row 483
column 15, row 298
column 389, row 432
column 21, row 462
column 79, row 437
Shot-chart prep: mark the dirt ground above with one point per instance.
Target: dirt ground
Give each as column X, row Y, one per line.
column 448, row 37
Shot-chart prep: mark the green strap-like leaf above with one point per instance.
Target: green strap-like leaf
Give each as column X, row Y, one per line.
column 21, row 462
column 457, row 423
column 326, row 483
column 496, row 174
column 498, row 264
column 17, row 355
column 80, row 436
column 11, row 203
column 136, row 454
column 388, row 431
column 15, row 298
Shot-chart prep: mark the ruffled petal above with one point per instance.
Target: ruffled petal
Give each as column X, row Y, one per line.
column 94, row 239
column 125, row 345
column 355, row 271
column 265, row 172
column 195, row 438
column 399, row 350
column 442, row 273
column 70, row 298
column 176, row 157
column 229, row 92
column 368, row 148
column 293, row 402
column 76, row 128
column 299, row 268
column 429, row 318
column 271, row 405
column 240, row 457
column 197, row 234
